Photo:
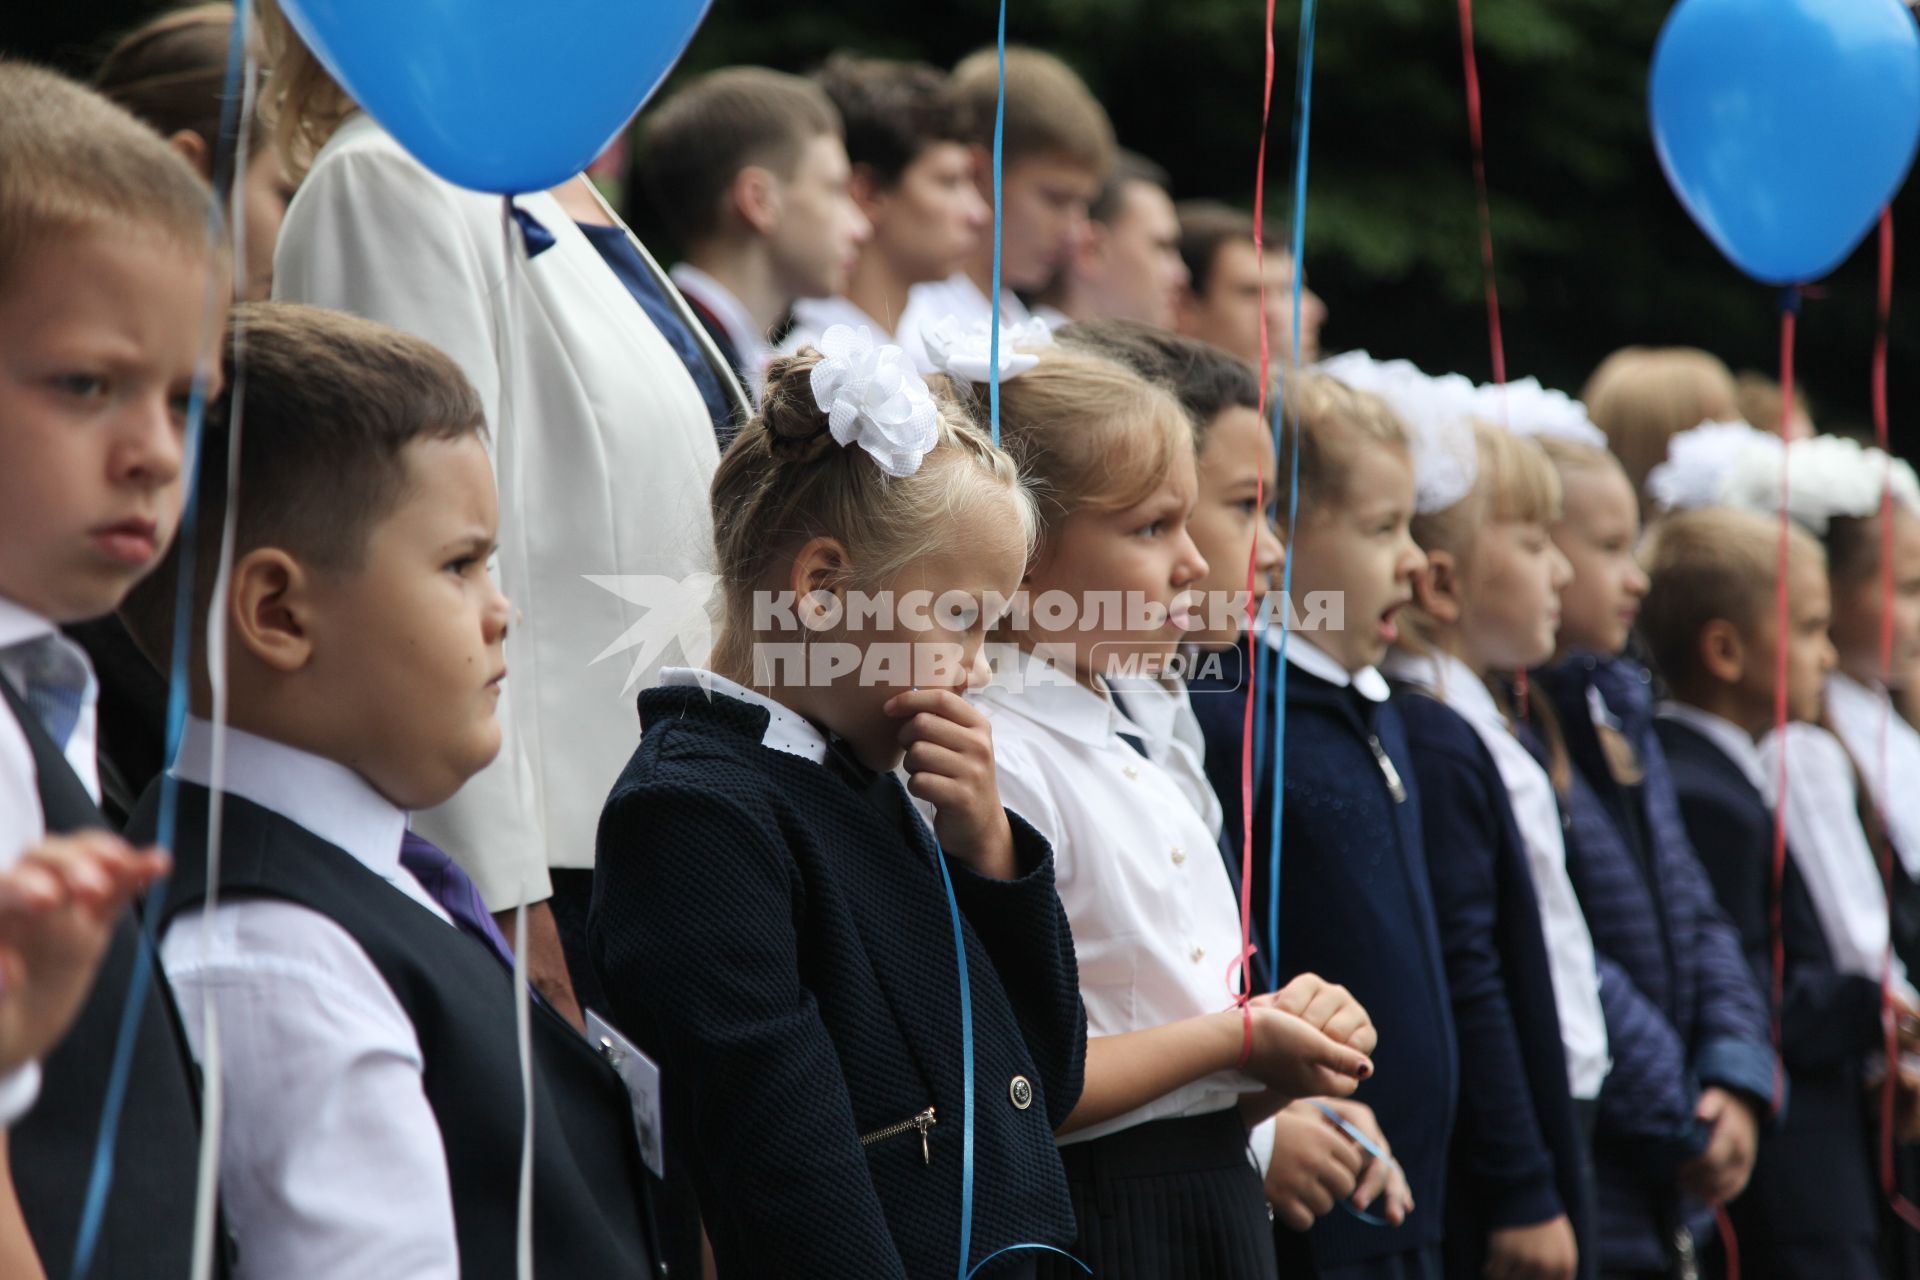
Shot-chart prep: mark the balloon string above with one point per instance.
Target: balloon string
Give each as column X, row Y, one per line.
column 1903, row 1208
column 1729, row 1243
column 1476, row 134
column 999, row 136
column 119, row 1075
column 1789, row 310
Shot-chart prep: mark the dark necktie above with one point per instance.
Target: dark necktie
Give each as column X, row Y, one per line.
column 1131, row 739
column 449, row 886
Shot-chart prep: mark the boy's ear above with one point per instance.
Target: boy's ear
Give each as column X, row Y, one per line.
column 268, row 608
column 755, row 197
column 867, row 191
column 1723, row 651
column 194, row 148
column 1436, row 588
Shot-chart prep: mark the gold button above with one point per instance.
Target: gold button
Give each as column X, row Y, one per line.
column 1179, row 856
column 1130, row 772
column 1020, row 1090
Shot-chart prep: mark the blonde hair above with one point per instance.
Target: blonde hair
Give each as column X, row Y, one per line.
column 1049, row 109
column 300, row 100
column 1643, row 396
column 785, row 480
column 1712, row 563
column 1514, row 482
column 71, row 163
column 1088, row 433
column 1329, row 423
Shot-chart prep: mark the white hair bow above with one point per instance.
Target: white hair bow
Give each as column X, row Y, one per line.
column 874, row 398
column 1736, row 465
column 1438, row 414
column 966, row 352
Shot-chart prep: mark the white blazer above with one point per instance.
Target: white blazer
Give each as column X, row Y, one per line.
column 601, row 445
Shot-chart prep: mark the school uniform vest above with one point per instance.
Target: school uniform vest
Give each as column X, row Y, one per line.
column 147, row 1230
column 587, row 1198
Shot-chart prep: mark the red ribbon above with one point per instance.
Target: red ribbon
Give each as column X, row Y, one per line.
column 1475, row 132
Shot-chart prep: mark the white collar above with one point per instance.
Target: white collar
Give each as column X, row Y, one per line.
column 748, row 338
column 19, row 624
column 1734, row 742
column 323, row 796
column 787, row 729
column 814, row 316
column 1453, row 682
column 1049, row 695
column 1315, row 661
column 971, row 295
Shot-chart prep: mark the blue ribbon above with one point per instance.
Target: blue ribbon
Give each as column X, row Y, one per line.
column 532, row 231
column 1367, row 1145
column 999, row 135
column 100, row 1176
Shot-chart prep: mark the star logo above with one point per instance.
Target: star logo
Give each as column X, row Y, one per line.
column 676, row 612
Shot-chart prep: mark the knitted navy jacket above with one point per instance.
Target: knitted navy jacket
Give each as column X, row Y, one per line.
column 1813, row 1182
column 781, row 945
column 1355, row 908
column 1517, row 1147
column 1682, row 1007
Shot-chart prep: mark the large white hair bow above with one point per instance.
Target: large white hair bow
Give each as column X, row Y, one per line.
column 1737, row 465
column 965, row 352
column 1438, row 414
column 873, row 397
column 1526, row 408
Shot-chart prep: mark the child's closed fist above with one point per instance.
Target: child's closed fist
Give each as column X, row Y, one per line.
column 949, row 763
column 1296, row 1059
column 1315, row 1166
column 1328, row 1006
column 58, row 905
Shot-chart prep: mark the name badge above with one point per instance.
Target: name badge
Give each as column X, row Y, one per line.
column 642, row 1077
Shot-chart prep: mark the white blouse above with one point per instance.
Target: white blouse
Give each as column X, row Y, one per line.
column 1536, row 811
column 1858, row 713
column 1155, row 924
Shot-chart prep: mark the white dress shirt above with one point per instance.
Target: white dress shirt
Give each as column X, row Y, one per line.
column 932, row 301
column 602, row 447
column 23, row 824
column 1859, row 712
column 749, row 339
column 1155, row 925
column 332, row 1163
column 1163, row 714
column 1315, row 661
column 812, row 317
column 1536, row 812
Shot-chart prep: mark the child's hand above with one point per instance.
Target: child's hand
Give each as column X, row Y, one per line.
column 1314, row 1166
column 1382, row 1177
column 1328, row 1006
column 1296, row 1059
column 1543, row 1251
column 1720, row 1173
column 58, row 905
column 949, row 745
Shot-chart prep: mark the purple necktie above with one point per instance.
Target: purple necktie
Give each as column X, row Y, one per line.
column 449, row 886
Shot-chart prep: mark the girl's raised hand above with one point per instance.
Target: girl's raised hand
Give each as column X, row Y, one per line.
column 949, row 762
column 1327, row 1006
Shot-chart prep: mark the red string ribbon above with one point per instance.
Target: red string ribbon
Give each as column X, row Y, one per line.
column 1477, row 135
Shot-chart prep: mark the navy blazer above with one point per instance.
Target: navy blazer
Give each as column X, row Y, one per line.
column 1355, row 907
column 1683, row 1009
column 1517, row 1152
column 1814, row 1181
column 780, row 942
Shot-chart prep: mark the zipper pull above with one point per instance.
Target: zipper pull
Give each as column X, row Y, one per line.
column 1394, row 785
column 924, row 1122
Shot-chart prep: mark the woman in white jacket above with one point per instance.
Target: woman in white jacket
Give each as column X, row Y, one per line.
column 603, row 447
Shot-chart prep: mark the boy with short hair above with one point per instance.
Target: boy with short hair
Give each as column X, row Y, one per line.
column 105, row 274
column 748, row 169
column 910, row 138
column 1056, row 150
column 1812, row 1206
column 1221, row 303
column 369, row 1061
column 1126, row 263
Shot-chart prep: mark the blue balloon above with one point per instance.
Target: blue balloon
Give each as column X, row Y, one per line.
column 1785, row 125
column 507, row 96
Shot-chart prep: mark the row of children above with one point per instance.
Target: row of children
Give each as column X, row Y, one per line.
column 1539, row 976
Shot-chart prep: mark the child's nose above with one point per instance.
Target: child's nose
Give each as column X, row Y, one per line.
column 152, row 450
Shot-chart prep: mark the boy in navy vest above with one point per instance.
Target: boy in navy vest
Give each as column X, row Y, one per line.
column 1812, row 1207
column 104, row 275
column 372, row 1078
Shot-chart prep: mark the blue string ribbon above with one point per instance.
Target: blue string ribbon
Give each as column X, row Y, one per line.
column 1302, row 126
column 999, row 135
column 100, row 1176
column 1367, row 1145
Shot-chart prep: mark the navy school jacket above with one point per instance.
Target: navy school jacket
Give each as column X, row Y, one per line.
column 1683, row 1009
column 785, row 952
column 1517, row 1150
column 1813, row 1184
column 1355, row 908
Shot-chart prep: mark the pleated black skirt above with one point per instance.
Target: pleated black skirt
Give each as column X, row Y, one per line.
column 1168, row 1200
